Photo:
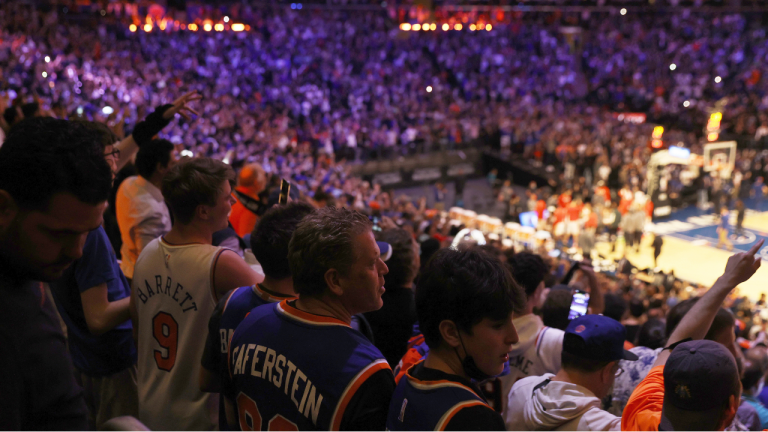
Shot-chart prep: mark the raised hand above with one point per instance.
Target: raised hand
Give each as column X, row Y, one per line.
column 742, row 266
column 180, row 106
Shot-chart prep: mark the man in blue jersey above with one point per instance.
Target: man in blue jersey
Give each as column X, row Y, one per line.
column 298, row 364
column 269, row 241
column 464, row 301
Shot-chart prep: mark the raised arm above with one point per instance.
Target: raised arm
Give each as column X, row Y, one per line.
column 697, row 321
column 153, row 124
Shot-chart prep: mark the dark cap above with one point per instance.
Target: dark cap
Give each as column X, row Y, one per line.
column 596, row 337
column 699, row 377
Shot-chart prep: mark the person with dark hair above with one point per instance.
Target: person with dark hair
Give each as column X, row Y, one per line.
column 539, row 347
column 92, row 295
column 299, row 361
column 141, row 211
column 652, row 334
column 464, row 300
column 554, row 311
column 54, row 185
column 392, row 325
column 694, row 385
column 13, row 115
column 752, row 381
column 178, row 280
column 270, row 241
column 635, row 319
column 593, row 345
column 615, row 306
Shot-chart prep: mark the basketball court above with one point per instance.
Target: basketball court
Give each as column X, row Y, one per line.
column 690, row 247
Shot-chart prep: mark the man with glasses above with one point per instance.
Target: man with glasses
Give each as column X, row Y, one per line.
column 570, row 399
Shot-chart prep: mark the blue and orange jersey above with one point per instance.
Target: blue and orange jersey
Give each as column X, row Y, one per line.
column 236, row 307
column 419, row 404
column 297, row 370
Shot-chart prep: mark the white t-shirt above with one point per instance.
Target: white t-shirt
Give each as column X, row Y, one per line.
column 536, row 353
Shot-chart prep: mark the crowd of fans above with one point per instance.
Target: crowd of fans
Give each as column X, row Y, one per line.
column 237, row 303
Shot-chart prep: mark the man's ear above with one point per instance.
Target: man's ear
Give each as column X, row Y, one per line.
column 203, row 212
column 607, row 374
column 730, row 412
column 450, row 333
column 8, row 209
column 332, row 277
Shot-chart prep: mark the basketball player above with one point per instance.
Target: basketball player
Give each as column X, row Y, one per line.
column 298, row 364
column 178, row 279
column 269, row 242
column 464, row 301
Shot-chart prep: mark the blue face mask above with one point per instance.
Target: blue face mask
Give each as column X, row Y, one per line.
column 470, row 367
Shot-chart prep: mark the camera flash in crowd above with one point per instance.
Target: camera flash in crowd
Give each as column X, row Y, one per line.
column 623, row 11
column 429, row 89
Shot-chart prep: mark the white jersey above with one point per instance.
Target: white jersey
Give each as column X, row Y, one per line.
column 174, row 300
column 536, row 353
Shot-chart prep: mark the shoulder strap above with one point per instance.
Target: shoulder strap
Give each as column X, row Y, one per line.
column 253, row 205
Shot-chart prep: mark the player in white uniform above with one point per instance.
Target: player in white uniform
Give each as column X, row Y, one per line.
column 178, row 279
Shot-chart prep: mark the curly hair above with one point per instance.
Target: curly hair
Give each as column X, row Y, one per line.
column 323, row 241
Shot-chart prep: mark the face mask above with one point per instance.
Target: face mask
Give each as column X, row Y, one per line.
column 470, row 367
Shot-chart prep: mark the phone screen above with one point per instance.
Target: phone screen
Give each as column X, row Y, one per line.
column 578, row 305
column 285, row 190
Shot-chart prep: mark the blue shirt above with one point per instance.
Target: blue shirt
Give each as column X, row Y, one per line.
column 114, row 350
column 762, row 411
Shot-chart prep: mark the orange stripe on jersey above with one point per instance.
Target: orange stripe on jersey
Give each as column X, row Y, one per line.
column 229, row 297
column 271, row 297
column 307, row 317
column 453, row 411
column 352, row 387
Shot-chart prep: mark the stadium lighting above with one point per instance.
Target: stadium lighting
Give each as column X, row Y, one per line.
column 488, row 27
column 193, row 27
column 623, row 11
column 416, row 27
column 446, row 27
column 433, row 27
column 405, row 27
column 238, row 27
column 472, row 27
column 425, row 27
column 718, row 79
column 207, row 27
column 132, row 28
column 226, row 19
column 219, row 27
column 672, row 67
column 686, row 104
column 45, row 74
column 457, row 27
column 429, row 89
column 147, row 28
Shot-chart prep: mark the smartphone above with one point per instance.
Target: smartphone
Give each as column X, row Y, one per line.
column 376, row 223
column 285, row 190
column 578, row 304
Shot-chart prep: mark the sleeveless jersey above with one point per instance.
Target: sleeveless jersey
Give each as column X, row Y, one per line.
column 294, row 370
column 428, row 405
column 239, row 304
column 174, row 300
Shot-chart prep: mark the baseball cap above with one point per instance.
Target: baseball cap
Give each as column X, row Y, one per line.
column 596, row 337
column 699, row 377
column 385, row 249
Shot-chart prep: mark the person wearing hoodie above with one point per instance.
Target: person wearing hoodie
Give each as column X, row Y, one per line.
column 464, row 302
column 538, row 350
column 570, row 399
